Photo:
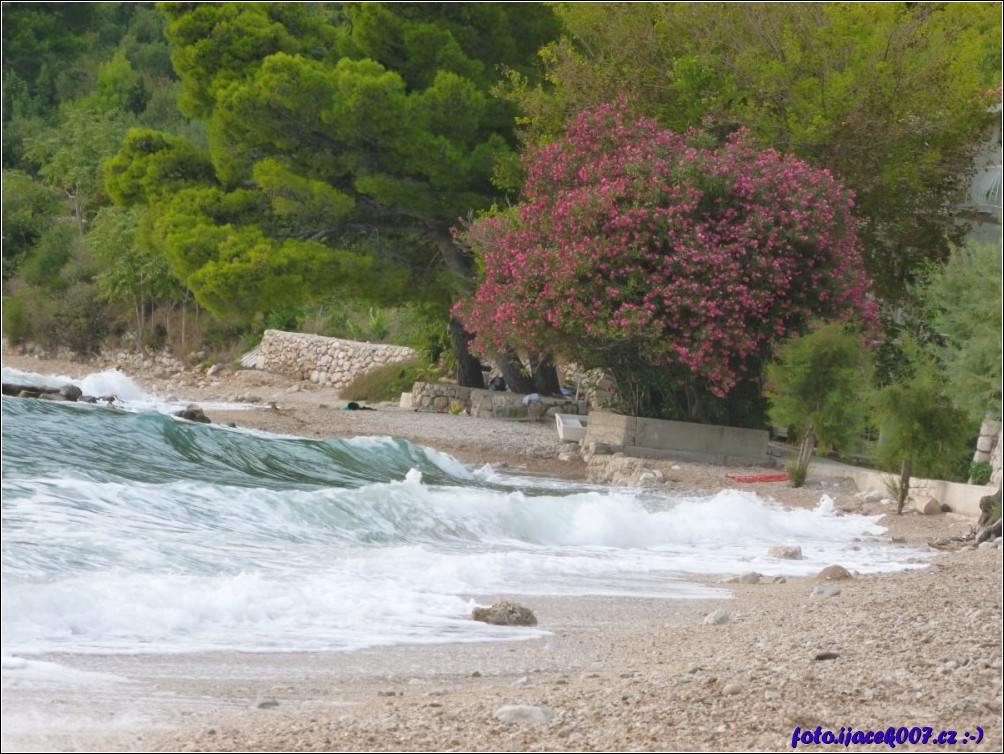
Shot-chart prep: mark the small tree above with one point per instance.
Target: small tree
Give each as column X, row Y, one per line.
column 922, row 432
column 673, row 262
column 818, row 385
column 963, row 303
column 130, row 274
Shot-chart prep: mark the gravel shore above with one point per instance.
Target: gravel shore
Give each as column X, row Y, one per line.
column 919, row 648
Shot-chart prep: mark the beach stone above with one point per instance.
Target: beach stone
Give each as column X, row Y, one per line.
column 871, row 496
column 504, row 613
column 927, row 505
column 265, row 702
column 731, row 689
column 771, row 695
column 834, row 573
column 524, row 681
column 70, row 392
column 785, row 552
column 717, row 618
column 569, row 452
column 750, row 577
column 193, row 413
column 649, row 477
column 826, row 590
column 524, row 714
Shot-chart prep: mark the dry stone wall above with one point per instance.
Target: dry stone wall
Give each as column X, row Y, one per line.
column 331, row 362
column 489, row 404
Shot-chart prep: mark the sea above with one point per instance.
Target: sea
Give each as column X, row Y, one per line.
column 129, row 531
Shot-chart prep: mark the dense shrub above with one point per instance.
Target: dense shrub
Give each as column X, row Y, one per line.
column 637, row 247
column 386, row 383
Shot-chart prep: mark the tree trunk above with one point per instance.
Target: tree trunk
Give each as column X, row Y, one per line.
column 460, row 263
column 469, row 372
column 545, row 376
column 991, row 531
column 808, row 446
column 512, row 371
column 904, row 485
column 987, row 505
column 140, row 325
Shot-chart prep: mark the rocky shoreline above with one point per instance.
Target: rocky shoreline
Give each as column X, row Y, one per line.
column 911, row 649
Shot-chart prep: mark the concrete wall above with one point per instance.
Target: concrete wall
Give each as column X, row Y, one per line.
column 657, row 438
column 331, row 362
column 962, row 498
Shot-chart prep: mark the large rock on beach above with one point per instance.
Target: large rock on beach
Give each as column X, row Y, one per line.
column 834, row 573
column 505, row 613
column 28, row 391
column 71, row 392
column 194, row 414
column 718, row 618
column 927, row 505
column 785, row 552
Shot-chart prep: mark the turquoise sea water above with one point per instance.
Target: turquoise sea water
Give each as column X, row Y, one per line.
column 131, row 531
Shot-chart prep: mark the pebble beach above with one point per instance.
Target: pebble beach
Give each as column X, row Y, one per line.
column 918, row 649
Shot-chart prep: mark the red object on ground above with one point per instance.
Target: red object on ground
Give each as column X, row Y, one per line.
column 759, row 478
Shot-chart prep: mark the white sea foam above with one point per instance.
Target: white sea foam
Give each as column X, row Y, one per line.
column 235, row 553
column 188, row 566
column 113, row 383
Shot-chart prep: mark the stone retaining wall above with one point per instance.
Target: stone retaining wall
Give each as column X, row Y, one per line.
column 331, row 362
column 489, row 404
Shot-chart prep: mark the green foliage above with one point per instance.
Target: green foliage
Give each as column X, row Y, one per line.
column 818, row 383
column 119, row 87
column 42, row 44
column 918, row 422
column 71, row 155
column 130, row 272
column 17, row 319
column 252, row 272
column 894, row 486
column 53, row 250
column 369, row 133
column 300, row 202
column 29, row 210
column 215, row 45
column 151, row 166
column 890, row 97
column 797, row 472
column 386, row 383
column 979, row 472
column 962, row 300
column 75, row 318
column 287, row 320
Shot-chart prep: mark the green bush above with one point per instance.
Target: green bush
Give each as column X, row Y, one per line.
column 819, row 382
column 74, row 318
column 16, row 320
column 979, row 472
column 386, row 383
column 797, row 473
column 919, row 423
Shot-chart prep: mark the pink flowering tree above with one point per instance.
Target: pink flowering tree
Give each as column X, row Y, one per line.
column 674, row 262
